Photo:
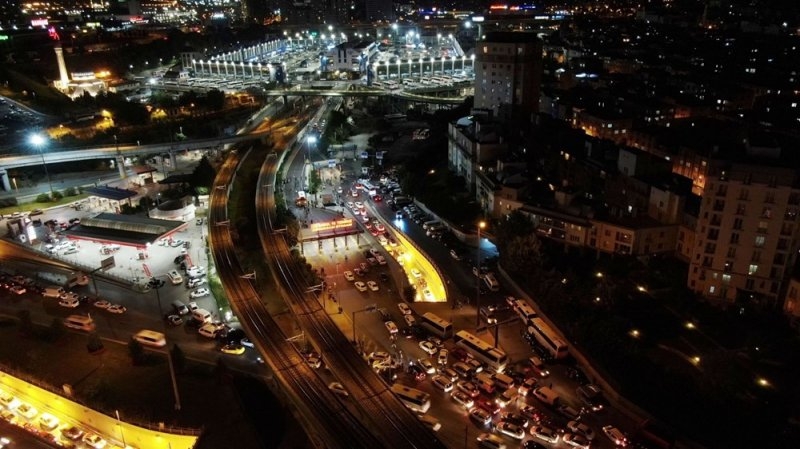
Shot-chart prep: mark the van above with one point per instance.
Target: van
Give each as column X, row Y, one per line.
column 490, row 441
column 53, row 292
column 502, row 381
column 507, row 397
column 491, row 282
column 429, row 224
column 201, row 315
column 150, row 338
column 180, row 308
column 546, row 395
column 485, row 382
column 80, row 322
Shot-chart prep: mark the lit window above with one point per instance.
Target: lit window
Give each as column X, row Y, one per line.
column 753, row 269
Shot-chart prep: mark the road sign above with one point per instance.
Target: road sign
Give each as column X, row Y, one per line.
column 332, row 163
column 107, row 263
column 379, row 155
column 364, row 155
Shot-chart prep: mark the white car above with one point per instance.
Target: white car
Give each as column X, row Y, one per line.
column 442, row 383
column 27, row 411
column 349, row 276
column 575, row 440
column 338, row 388
column 442, row 358
column 116, row 308
column 510, row 429
column 195, row 271
column 48, row 421
column 581, row 429
column 428, row 294
column 196, row 282
column 94, row 440
column 391, row 327
column 69, row 303
column 175, row 277
column 615, row 435
column 360, row 286
column 404, row 308
column 468, row 387
column 416, row 273
column 410, row 320
column 427, row 365
column 17, row 289
column 200, row 292
column 545, row 433
column 350, row 205
column 102, row 304
column 208, row 330
column 373, row 286
column 463, row 398
column 428, row 347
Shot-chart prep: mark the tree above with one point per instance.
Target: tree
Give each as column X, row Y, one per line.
column 43, row 198
column 215, row 99
column 94, row 343
column 25, row 323
column 522, row 254
column 314, row 182
column 136, row 351
column 204, row 174
column 178, row 358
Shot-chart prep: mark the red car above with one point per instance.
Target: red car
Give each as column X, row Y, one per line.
column 377, row 198
column 487, row 404
column 459, row 354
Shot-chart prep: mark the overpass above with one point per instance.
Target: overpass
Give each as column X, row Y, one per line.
column 114, row 151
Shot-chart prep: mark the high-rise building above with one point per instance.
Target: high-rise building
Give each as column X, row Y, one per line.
column 378, row 10
column 747, row 233
column 508, row 68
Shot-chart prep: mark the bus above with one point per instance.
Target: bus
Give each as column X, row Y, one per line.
column 437, row 326
column 486, row 353
column 525, row 311
column 548, row 339
column 416, row 400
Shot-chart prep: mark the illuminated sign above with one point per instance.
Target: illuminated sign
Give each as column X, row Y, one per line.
column 477, row 19
column 39, row 22
column 344, row 223
column 53, row 34
column 4, row 37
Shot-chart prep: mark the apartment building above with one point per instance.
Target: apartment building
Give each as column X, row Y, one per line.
column 508, row 70
column 472, row 145
column 746, row 235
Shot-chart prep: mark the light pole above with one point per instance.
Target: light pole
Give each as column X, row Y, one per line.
column 369, row 308
column 119, row 423
column 481, row 225
column 309, row 141
column 38, row 141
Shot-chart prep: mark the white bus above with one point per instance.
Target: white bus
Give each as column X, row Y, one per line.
column 416, row 400
column 525, row 311
column 486, row 353
column 547, row 338
column 437, row 326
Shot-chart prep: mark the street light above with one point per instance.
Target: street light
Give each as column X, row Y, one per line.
column 38, row 141
column 481, row 225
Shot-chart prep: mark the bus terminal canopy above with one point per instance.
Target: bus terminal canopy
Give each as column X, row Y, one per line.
column 111, row 193
column 124, row 229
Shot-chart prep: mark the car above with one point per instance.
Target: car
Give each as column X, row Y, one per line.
column 537, row 366
column 246, row 342
column 442, row 357
column 360, row 286
column 416, row 273
column 232, row 348
column 581, row 428
column 455, row 254
column 27, row 410
column 449, row 373
column 531, row 412
column 94, row 440
column 68, row 296
column 70, row 303
column 314, row 360
column 209, row 330
column 379, row 356
column 196, row 282
column 116, row 308
column 476, row 366
column 429, row 347
column 199, row 293
column 364, row 267
column 391, row 327
column 575, row 440
column 350, row 205
column 527, row 386
column 591, row 396
column 515, row 418
column 72, row 432
column 48, row 421
column 17, row 289
column 487, row 403
column 8, row 415
column 481, row 416
column 373, row 286
column 568, row 412
column 545, row 434
column 349, row 276
column 510, row 429
column 174, row 320
column 427, row 294
column 195, row 271
column 462, row 398
column 175, row 277
column 35, row 212
column 404, row 308
column 615, row 435
column 418, row 372
column 410, row 320
column 338, row 388
column 468, row 387
column 427, row 365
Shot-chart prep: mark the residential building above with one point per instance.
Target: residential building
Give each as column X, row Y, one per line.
column 508, row 68
column 473, row 143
